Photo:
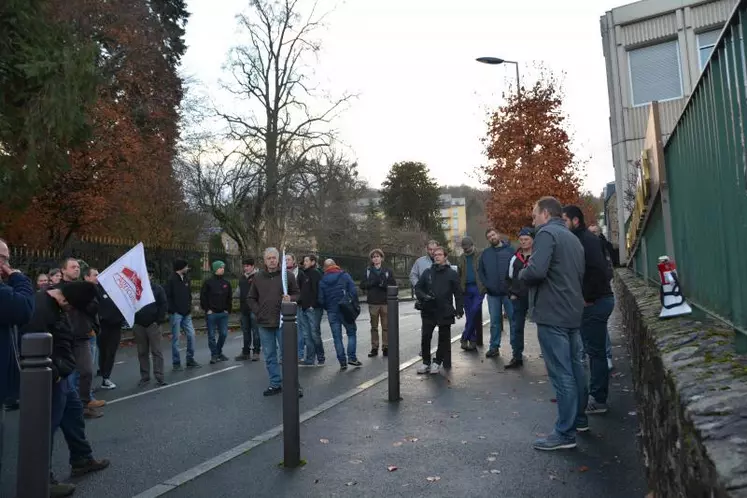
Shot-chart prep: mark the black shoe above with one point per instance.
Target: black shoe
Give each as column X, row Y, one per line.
column 514, row 363
column 492, row 353
column 143, row 382
column 214, row 360
column 463, row 344
column 161, row 383
column 355, row 363
column 60, row 489
column 222, row 357
column 176, row 368
column 384, row 351
column 272, row 391
column 343, row 367
column 193, row 364
column 243, row 357
column 87, row 466
column 374, row 352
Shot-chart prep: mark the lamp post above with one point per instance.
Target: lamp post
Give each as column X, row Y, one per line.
column 494, row 61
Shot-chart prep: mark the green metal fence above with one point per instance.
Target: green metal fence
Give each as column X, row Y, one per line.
column 706, row 168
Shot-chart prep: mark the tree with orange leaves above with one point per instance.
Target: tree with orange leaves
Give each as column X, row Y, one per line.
column 530, row 156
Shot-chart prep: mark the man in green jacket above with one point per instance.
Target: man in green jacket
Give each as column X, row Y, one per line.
column 474, row 290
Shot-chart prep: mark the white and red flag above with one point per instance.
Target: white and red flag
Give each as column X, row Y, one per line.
column 127, row 283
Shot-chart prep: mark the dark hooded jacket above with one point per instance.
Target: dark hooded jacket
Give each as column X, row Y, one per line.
column 16, row 309
column 440, row 293
column 154, row 312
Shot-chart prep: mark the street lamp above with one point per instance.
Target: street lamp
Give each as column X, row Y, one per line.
column 496, row 61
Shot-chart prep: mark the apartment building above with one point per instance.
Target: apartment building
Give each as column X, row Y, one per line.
column 454, row 219
column 655, row 50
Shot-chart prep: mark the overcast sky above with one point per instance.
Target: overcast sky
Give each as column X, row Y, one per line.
column 422, row 96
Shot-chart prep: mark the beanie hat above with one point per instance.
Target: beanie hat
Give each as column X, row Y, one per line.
column 180, row 264
column 526, row 231
column 80, row 295
column 467, row 241
column 218, row 265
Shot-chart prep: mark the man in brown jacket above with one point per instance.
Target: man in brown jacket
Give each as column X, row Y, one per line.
column 265, row 298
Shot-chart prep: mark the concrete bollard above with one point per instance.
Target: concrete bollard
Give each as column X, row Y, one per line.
column 35, row 437
column 392, row 302
column 291, row 411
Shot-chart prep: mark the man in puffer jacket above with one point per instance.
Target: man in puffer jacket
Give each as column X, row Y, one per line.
column 519, row 294
column 333, row 288
column 148, row 334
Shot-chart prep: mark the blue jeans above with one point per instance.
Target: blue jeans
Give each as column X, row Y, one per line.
column 472, row 305
column 496, row 305
column 520, row 309
column 310, row 325
column 182, row 323
column 561, row 349
column 594, row 334
column 336, row 322
column 270, row 338
column 250, row 333
column 67, row 414
column 217, row 322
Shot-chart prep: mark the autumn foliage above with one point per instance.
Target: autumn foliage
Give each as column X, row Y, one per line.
column 529, row 155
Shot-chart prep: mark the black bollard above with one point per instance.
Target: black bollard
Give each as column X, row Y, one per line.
column 35, row 437
column 291, row 412
column 392, row 303
column 478, row 326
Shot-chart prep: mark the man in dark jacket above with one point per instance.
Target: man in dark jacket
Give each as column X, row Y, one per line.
column 147, row 331
column 440, row 295
column 179, row 294
column 493, row 269
column 473, row 288
column 265, row 298
column 51, row 315
column 249, row 328
column 310, row 311
column 599, row 303
column 335, row 286
column 519, row 294
column 111, row 320
column 216, row 299
column 555, row 275
column 375, row 282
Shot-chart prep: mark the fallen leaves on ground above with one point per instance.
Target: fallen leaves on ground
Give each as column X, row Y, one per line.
column 411, row 439
column 324, row 441
column 433, row 479
column 397, row 444
column 481, row 437
column 455, row 415
column 495, row 471
column 356, row 462
column 494, row 453
column 464, row 442
column 491, row 459
column 553, row 400
column 391, row 468
column 632, row 414
column 351, row 483
column 583, row 468
column 429, row 402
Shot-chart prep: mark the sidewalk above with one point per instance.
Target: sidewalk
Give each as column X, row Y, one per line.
column 468, row 433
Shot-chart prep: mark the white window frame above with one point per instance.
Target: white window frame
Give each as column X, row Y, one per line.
column 712, row 46
column 679, row 68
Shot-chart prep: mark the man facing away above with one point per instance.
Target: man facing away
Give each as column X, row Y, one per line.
column 111, row 320
column 555, row 278
column 292, row 267
column 493, row 270
column 179, row 294
column 265, row 299
column 440, row 295
column 519, row 294
column 473, row 289
column 335, row 286
column 375, row 283
column 249, row 328
column 599, row 301
column 147, row 331
column 610, row 254
column 216, row 299
column 310, row 310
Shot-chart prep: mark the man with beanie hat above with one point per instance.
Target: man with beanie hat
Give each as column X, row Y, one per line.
column 473, row 290
column 50, row 315
column 216, row 299
column 179, row 295
column 519, row 295
column 147, row 331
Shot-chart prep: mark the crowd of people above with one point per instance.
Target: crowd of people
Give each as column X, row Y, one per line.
column 559, row 275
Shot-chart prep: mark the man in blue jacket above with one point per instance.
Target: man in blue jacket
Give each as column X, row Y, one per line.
column 493, row 270
column 332, row 289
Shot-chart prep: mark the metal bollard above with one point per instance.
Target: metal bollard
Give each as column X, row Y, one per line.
column 35, row 437
column 392, row 303
column 291, row 412
column 478, row 326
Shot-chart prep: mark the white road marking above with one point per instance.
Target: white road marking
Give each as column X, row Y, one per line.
column 136, row 395
column 205, row 467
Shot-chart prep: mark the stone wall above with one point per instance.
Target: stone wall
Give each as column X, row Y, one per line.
column 691, row 391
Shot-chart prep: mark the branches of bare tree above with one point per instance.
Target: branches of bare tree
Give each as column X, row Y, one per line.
column 630, row 187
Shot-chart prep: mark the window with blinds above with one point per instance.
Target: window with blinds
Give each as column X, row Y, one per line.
column 655, row 73
column 706, row 42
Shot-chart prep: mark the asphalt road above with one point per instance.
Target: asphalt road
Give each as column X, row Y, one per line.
column 152, row 434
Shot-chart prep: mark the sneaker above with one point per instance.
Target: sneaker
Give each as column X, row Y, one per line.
column 582, row 427
column 243, row 357
column 255, row 356
column 193, row 364
column 610, row 366
column 60, row 489
column 176, row 368
column 272, row 391
column 143, row 382
column 595, row 408
column 161, row 383
column 92, row 413
column 553, row 442
column 214, row 360
column 374, row 352
column 96, row 403
column 384, row 351
column 435, row 368
column 355, row 363
column 343, row 367
column 87, row 466
column 222, row 357
column 108, row 385
column 514, row 363
column 471, row 346
column 320, row 362
column 463, row 344
column 492, row 353
column 424, row 369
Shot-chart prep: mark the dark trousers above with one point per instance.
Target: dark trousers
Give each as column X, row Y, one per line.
column 84, row 366
column 67, row 414
column 109, row 339
column 443, row 352
column 519, row 317
column 148, row 340
column 594, row 336
column 250, row 333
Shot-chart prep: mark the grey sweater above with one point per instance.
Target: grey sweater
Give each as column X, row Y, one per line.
column 422, row 264
column 555, row 276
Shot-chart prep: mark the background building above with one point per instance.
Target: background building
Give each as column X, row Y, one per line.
column 454, row 219
column 654, row 50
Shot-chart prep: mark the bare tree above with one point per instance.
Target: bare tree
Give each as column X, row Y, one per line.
column 279, row 128
column 630, row 187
